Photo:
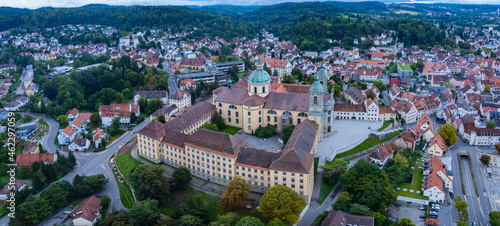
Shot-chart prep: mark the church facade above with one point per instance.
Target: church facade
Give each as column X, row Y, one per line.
column 256, row 102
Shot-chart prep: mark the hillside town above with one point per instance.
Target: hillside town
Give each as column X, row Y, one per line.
column 377, row 132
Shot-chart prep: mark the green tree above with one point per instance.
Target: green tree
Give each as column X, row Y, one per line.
column 336, row 90
column 120, row 217
column 287, row 132
column 401, row 160
column 34, row 209
column 95, row 119
column 463, row 223
column 188, row 220
column 161, row 118
column 289, row 79
column 276, row 222
column 283, row 203
column 461, row 207
column 55, row 195
column 359, row 209
column 380, row 85
column 218, row 120
column 71, row 160
column 267, row 131
column 405, row 221
column 152, row 184
column 448, row 133
column 135, row 174
column 420, row 65
column 334, row 169
column 193, row 206
column 210, row 126
column 116, row 124
column 379, row 218
column 236, row 191
column 485, row 159
column 370, row 94
column 224, row 220
column 165, row 221
column 105, row 200
column 250, row 221
column 297, row 73
column 491, row 124
column 62, row 118
column 487, row 88
column 145, row 212
column 180, row 178
column 494, row 218
column 24, row 172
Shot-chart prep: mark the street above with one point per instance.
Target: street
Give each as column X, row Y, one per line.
column 93, row 163
column 172, row 84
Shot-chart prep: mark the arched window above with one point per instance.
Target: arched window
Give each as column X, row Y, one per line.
column 220, row 111
column 315, row 100
column 302, row 114
column 271, row 112
column 228, row 113
column 264, row 89
column 260, row 120
column 268, row 118
column 254, row 89
column 298, row 121
column 232, row 107
column 220, row 105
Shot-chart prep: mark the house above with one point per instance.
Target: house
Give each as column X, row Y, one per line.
column 97, row 135
column 29, row 159
column 18, row 186
column 406, row 109
column 354, row 95
column 161, row 95
column 31, row 149
column 72, row 114
column 88, row 212
column 192, row 63
column 479, row 136
column 182, row 99
column 167, row 111
column 424, row 127
column 381, row 154
column 79, row 144
column 340, row 218
column 408, row 140
column 122, row 111
column 437, row 146
column 436, row 181
column 369, row 75
column 45, row 101
column 71, row 131
column 386, row 114
column 282, row 67
column 26, row 130
column 16, row 104
column 372, row 110
column 187, row 84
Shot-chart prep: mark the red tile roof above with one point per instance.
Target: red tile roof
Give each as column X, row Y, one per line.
column 29, row 159
column 88, row 209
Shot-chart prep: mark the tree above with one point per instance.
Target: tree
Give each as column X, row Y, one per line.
column 116, row 123
column 161, row 118
column 420, row 65
column 287, row 132
column 289, row 79
column 34, row 209
column 487, row 88
column 336, row 90
column 250, row 221
column 210, row 126
column 188, row 220
column 463, row 223
column 62, row 118
column 145, row 212
column 370, row 94
column 236, row 191
column 24, row 172
column 461, row 207
column 494, row 218
column 135, row 175
column 379, row 218
column 193, row 206
column 218, row 120
column 359, row 209
column 95, row 119
column 71, row 160
column 380, row 85
column 283, row 203
column 405, row 221
column 120, row 217
column 401, row 160
column 448, row 133
column 152, row 184
column 224, row 220
column 485, row 159
column 267, row 131
column 165, row 221
column 334, row 169
column 297, row 73
column 105, row 200
column 491, row 124
column 180, row 178
column 55, row 195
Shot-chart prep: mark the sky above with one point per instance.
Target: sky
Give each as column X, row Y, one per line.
column 33, row 4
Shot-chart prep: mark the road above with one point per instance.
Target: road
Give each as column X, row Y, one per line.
column 315, row 209
column 95, row 163
column 172, row 84
column 476, row 213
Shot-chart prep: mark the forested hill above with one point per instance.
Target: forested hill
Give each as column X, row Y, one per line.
column 307, row 24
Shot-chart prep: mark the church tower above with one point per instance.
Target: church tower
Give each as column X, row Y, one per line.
column 315, row 112
column 259, row 81
column 323, row 77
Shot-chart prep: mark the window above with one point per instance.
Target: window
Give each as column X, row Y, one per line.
column 271, row 112
column 220, row 105
column 249, row 120
column 254, row 89
column 249, row 128
column 228, row 113
column 302, row 114
column 237, row 121
column 236, row 114
column 229, row 119
column 298, row 121
column 261, row 120
column 268, row 118
column 249, row 113
column 284, row 173
column 315, row 100
column 259, row 112
column 275, row 119
column 232, row 107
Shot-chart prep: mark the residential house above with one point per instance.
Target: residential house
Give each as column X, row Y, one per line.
column 188, row 84
column 72, row 130
column 386, row 114
column 16, row 104
column 381, row 154
column 192, row 63
column 406, row 109
column 182, row 99
column 31, row 149
column 437, row 146
column 18, row 186
column 97, row 135
column 79, row 144
column 354, row 95
column 283, row 67
column 340, row 218
column 26, row 130
column 161, row 95
column 436, row 181
column 479, row 136
column 88, row 212
column 404, row 70
column 123, row 111
column 72, row 114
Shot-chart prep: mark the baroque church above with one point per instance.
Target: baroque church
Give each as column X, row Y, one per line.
column 261, row 100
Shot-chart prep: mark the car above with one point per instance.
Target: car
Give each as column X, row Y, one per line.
column 433, row 216
column 433, row 212
column 474, row 224
column 423, row 216
column 133, row 132
column 67, row 212
column 422, row 208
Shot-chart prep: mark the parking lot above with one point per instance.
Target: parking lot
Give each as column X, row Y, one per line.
column 400, row 210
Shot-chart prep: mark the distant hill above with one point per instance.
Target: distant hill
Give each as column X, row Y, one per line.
column 9, row 10
column 230, row 10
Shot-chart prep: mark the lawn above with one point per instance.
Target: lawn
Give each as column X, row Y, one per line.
column 180, row 195
column 112, row 138
column 231, row 130
column 326, row 189
column 75, row 203
column 386, row 124
column 241, row 74
column 416, row 185
column 126, row 195
column 125, row 162
column 368, row 143
column 406, row 11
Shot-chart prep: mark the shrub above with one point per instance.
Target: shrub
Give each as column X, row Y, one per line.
column 267, row 131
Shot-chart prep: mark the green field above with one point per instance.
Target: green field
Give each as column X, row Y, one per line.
column 406, row 12
column 416, row 185
column 405, row 67
column 125, row 163
column 231, row 130
column 326, row 189
column 386, row 124
column 240, row 74
column 126, row 195
column 368, row 143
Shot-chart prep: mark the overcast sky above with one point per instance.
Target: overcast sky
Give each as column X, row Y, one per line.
column 33, row 4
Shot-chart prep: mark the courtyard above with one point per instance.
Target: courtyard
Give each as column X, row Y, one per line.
column 268, row 144
column 346, row 134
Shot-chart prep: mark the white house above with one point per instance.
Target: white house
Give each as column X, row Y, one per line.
column 436, row 182
column 182, row 99
column 122, row 111
column 79, row 144
column 72, row 114
column 162, row 95
column 71, row 131
column 88, row 212
column 97, row 135
column 372, row 110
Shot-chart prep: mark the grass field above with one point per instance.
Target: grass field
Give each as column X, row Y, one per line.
column 126, row 195
column 368, row 143
column 386, row 124
column 125, row 163
column 112, row 138
column 231, row 130
column 241, row 74
column 326, row 189
column 407, row 12
column 416, row 185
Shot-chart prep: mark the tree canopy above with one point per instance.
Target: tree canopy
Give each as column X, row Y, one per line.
column 448, row 133
column 283, row 203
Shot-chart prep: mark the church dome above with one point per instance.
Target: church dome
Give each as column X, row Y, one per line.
column 316, row 86
column 322, row 73
column 259, row 75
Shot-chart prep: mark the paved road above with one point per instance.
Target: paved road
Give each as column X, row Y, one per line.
column 476, row 213
column 172, row 84
column 315, row 209
column 96, row 163
column 386, row 98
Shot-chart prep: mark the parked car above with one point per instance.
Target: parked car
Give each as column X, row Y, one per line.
column 423, row 216
column 67, row 212
column 433, row 213
column 433, row 216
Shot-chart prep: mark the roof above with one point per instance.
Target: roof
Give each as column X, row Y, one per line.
column 192, row 61
column 5, row 189
column 401, row 105
column 217, row 141
column 29, row 159
column 288, row 101
column 118, row 110
column 184, row 82
column 80, row 141
column 386, row 110
column 431, row 221
column 254, row 100
column 350, row 107
column 30, row 149
column 97, row 134
column 179, row 95
column 152, row 94
column 439, row 141
column 356, row 94
column 272, row 63
column 297, row 156
column 340, row 218
column 381, row 152
column 259, row 76
column 73, row 112
column 191, row 116
column 174, row 138
column 232, row 96
column 290, row 88
column 257, row 158
column 153, row 130
column 88, row 209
